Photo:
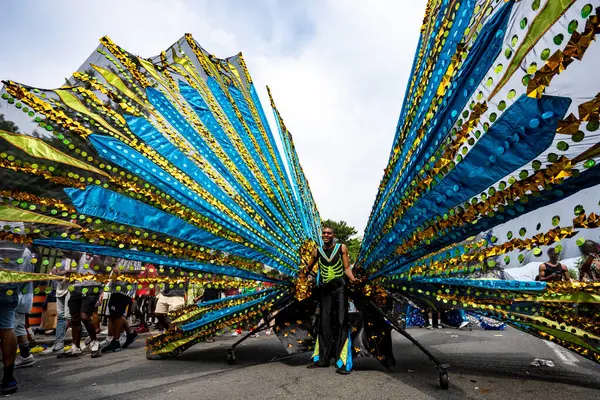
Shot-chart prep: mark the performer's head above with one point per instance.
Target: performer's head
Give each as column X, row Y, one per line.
column 589, row 247
column 327, row 234
column 553, row 255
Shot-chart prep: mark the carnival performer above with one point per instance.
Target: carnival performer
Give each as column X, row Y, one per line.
column 552, row 270
column 333, row 269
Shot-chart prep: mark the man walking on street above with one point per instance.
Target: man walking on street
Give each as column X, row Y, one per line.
column 14, row 256
column 333, row 340
column 171, row 298
column 61, row 289
column 121, row 297
column 82, row 302
column 25, row 358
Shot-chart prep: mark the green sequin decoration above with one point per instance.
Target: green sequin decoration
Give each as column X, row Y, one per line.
column 523, row 23
column 592, row 126
column 572, row 26
column 545, row 54
column 562, row 146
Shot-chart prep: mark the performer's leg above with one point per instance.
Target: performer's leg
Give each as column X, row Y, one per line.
column 340, row 306
column 326, row 333
column 340, row 319
column 343, row 346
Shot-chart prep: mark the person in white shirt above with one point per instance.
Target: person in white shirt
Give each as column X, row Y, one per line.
column 25, row 358
column 82, row 302
column 61, row 289
column 12, row 258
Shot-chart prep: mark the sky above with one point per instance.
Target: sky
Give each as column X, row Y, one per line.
column 337, row 68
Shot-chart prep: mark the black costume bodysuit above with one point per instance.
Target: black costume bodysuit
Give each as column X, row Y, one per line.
column 333, row 330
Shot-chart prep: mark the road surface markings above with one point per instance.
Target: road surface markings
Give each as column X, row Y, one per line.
column 562, row 353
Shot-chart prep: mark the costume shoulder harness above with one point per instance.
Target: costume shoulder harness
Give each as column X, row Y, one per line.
column 331, row 266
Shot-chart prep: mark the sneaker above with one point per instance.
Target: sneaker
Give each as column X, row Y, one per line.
column 142, row 329
column 256, row 335
column 429, row 327
column 113, row 347
column 463, row 324
column 8, row 387
column 86, row 349
column 73, row 352
column 52, row 350
column 88, row 340
column 234, row 333
column 122, row 339
column 95, row 349
column 60, row 353
column 105, row 342
column 21, row 362
column 440, row 327
column 130, row 338
column 268, row 332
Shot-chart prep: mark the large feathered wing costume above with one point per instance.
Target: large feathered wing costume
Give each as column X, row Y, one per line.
column 169, row 161
column 495, row 160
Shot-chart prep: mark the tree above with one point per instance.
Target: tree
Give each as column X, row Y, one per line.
column 353, row 249
column 574, row 274
column 7, row 125
column 341, row 230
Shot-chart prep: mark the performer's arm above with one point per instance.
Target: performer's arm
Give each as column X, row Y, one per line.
column 312, row 262
column 346, row 261
column 69, row 269
column 565, row 272
column 543, row 276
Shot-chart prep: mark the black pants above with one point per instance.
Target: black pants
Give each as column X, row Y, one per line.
column 333, row 327
column 117, row 305
column 145, row 308
column 435, row 321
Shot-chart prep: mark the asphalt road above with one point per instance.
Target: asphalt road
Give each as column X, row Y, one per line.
column 483, row 365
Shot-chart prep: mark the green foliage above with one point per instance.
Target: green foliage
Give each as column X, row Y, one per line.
column 580, row 262
column 342, row 230
column 7, row 125
column 574, row 274
column 353, row 249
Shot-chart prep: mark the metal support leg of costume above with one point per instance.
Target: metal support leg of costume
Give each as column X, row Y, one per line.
column 442, row 368
column 333, row 340
column 265, row 324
